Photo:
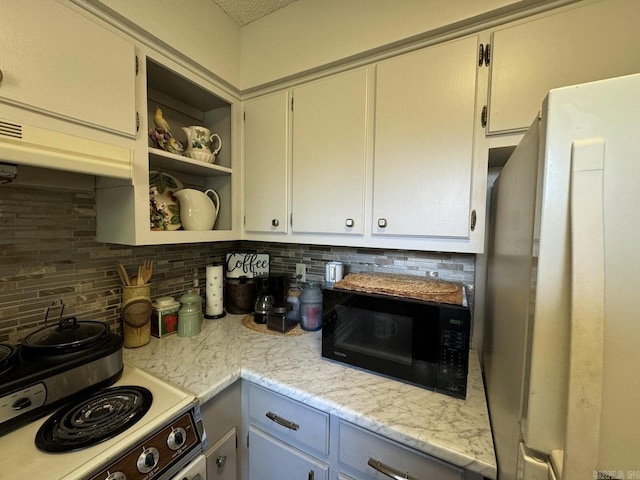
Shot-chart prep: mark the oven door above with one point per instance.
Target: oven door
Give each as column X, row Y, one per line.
column 196, row 470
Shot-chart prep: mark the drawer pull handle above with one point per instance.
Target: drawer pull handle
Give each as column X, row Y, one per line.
column 221, row 461
column 282, row 421
column 389, row 471
column 311, row 475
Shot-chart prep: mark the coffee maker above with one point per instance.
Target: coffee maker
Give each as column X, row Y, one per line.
column 272, row 289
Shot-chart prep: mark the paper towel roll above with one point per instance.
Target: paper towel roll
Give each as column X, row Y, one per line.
column 214, row 293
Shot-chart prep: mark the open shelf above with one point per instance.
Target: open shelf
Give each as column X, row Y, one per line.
column 161, row 160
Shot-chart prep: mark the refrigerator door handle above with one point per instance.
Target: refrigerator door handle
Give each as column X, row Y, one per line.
column 587, row 309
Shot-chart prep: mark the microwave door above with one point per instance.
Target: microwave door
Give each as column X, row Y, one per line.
column 360, row 331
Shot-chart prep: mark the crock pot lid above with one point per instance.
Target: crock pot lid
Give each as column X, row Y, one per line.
column 67, row 332
column 6, row 353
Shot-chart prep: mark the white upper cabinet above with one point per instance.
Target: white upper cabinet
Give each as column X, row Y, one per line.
column 380, row 156
column 424, row 131
column 579, row 44
column 126, row 214
column 58, row 62
column 330, row 153
column 266, row 161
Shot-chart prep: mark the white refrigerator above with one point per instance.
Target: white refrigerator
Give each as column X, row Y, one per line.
column 562, row 342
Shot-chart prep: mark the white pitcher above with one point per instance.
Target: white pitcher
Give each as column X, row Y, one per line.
column 197, row 210
column 199, row 143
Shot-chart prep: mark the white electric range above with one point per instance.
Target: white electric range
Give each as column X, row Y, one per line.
column 169, row 438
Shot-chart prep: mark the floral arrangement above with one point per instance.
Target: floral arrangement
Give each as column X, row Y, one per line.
column 164, row 210
column 164, row 140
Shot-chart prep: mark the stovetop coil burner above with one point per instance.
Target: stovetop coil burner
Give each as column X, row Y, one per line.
column 92, row 420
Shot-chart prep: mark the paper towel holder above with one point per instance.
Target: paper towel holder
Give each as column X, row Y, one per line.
column 214, row 305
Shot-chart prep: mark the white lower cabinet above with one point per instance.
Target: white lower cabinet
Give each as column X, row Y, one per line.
column 222, row 458
column 366, row 455
column 222, row 418
column 287, row 439
column 290, row 440
column 273, row 459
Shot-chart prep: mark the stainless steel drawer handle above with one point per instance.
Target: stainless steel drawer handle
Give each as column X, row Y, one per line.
column 382, row 222
column 349, row 222
column 275, row 222
column 282, row 421
column 389, row 471
column 221, row 461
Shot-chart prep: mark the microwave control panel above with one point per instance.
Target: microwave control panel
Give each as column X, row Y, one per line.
column 453, row 359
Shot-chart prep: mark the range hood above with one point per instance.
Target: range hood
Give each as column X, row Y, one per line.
column 28, row 145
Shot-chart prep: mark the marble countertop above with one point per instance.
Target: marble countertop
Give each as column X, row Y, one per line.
column 454, row 430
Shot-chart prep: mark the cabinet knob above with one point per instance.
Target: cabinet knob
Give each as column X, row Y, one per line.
column 349, row 222
column 382, row 222
column 221, row 461
column 275, row 222
column 1, row 76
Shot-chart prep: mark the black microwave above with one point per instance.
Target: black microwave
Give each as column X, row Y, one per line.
column 417, row 342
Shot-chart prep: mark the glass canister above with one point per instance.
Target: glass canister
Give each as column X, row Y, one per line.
column 311, row 308
column 293, row 299
column 190, row 314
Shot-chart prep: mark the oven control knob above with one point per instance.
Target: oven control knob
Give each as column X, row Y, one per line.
column 116, row 476
column 176, row 439
column 148, row 459
column 22, row 403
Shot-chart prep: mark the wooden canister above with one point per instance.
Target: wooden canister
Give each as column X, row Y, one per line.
column 136, row 315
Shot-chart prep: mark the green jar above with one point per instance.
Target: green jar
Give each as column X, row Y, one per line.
column 190, row 314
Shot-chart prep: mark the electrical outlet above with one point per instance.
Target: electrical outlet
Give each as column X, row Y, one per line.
column 301, row 272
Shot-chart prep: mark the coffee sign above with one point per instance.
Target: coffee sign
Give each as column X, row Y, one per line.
column 246, row 264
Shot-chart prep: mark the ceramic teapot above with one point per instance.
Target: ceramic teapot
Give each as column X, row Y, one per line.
column 198, row 211
column 199, row 142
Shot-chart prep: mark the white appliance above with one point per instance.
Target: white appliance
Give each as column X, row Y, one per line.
column 142, row 451
column 562, row 344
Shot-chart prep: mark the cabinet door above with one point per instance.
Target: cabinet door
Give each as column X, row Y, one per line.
column 266, row 126
column 270, row 458
column 579, row 45
column 329, row 154
column 221, row 458
column 424, row 140
column 71, row 67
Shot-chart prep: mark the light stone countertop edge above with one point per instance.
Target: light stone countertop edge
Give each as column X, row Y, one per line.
column 456, row 431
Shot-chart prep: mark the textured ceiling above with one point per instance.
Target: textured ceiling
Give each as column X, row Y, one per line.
column 246, row 11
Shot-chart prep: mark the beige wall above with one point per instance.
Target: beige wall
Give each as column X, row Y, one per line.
column 309, row 33
column 197, row 28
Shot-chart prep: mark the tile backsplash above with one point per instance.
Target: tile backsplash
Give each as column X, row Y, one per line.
column 48, row 252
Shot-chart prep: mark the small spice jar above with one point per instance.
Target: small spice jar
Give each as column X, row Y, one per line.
column 164, row 316
column 190, row 314
column 277, row 319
